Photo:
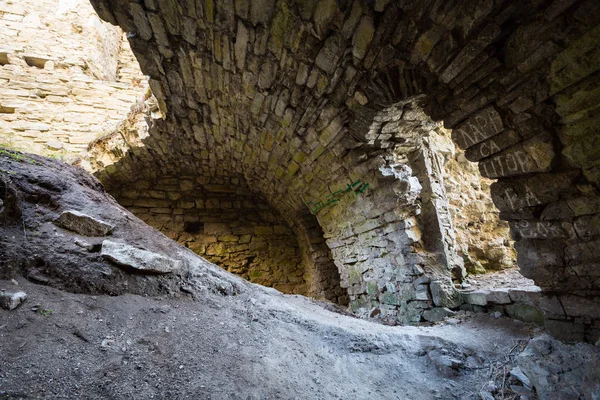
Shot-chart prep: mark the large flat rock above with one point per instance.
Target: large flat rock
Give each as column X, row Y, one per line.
column 142, row 260
column 83, row 224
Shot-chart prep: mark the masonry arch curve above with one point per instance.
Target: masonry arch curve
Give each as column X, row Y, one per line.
column 268, row 91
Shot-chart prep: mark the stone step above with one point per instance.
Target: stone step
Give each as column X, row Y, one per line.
column 521, row 303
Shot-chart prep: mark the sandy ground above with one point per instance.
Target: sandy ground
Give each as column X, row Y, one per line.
column 257, row 345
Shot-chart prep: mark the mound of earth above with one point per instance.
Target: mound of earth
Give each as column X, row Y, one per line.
column 116, row 310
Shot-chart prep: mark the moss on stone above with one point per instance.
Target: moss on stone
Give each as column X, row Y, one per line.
column 279, row 27
column 371, row 288
column 363, row 37
column 209, row 9
column 577, row 61
column 254, row 274
column 389, row 298
column 354, row 276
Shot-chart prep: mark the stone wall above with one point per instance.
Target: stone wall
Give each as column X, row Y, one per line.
column 66, row 77
column 483, row 239
column 225, row 224
column 373, row 226
column 391, row 234
column 218, row 217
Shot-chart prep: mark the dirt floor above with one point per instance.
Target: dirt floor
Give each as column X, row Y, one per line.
column 257, row 345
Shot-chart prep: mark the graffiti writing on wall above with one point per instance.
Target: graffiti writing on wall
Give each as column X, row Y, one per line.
column 357, row 187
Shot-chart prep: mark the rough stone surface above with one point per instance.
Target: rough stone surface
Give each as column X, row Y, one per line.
column 9, row 301
column 68, row 77
column 138, row 259
column 83, row 224
column 525, row 312
column 498, row 296
column 559, row 371
column 527, row 295
column 230, row 227
column 483, row 239
column 437, row 314
column 444, row 294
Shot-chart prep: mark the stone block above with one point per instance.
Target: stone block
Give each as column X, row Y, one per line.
column 363, row 35
column 565, row 330
column 238, row 248
column 261, row 11
column 552, row 307
column 149, row 202
column 83, row 224
column 186, row 185
column 323, row 15
column 544, row 188
column 527, row 295
column 186, row 204
column 281, row 230
column 470, row 51
column 584, row 205
column 161, row 210
column 576, row 306
column 582, row 252
column 216, row 229
column 422, row 292
column 478, row 128
column 524, row 312
column 492, row 146
column 444, row 294
column 245, row 239
column 130, row 193
column 216, row 249
column 535, row 155
column 437, row 314
column 258, row 245
column 588, row 226
column 477, row 297
column 537, row 259
column 55, row 144
column 228, row 238
column 138, row 259
column 9, row 301
column 366, row 226
column 535, row 229
column 498, row 296
column 263, row 230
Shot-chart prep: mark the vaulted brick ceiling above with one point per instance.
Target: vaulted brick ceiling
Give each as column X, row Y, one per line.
column 281, row 96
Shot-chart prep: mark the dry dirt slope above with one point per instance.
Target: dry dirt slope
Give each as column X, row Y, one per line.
column 91, row 329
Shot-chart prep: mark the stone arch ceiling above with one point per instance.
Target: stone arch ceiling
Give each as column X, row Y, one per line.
column 282, row 95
